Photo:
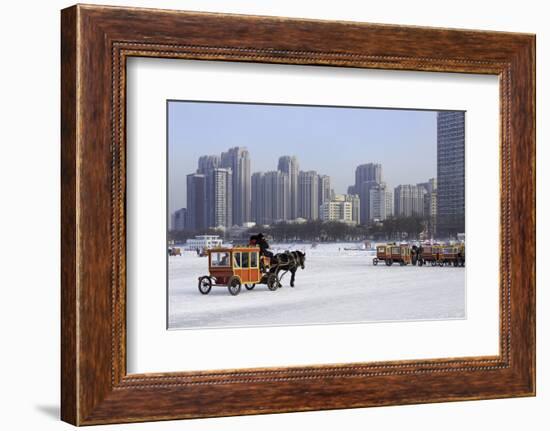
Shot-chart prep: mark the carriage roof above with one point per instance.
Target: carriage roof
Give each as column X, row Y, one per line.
column 249, row 248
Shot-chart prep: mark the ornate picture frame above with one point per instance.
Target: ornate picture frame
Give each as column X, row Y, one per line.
column 96, row 41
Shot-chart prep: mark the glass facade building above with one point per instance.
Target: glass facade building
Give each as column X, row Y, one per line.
column 450, row 174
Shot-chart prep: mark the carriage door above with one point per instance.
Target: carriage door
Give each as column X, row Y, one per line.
column 254, row 267
column 237, row 265
column 245, row 265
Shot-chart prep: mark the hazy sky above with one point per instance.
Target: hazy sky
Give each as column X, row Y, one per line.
column 329, row 140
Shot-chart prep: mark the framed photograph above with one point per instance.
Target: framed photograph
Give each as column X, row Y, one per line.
column 265, row 215
column 256, row 214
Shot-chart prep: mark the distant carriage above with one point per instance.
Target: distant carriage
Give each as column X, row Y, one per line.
column 400, row 254
column 452, row 255
column 462, row 254
column 174, row 251
column 429, row 254
column 233, row 267
column 383, row 252
column 434, row 255
column 393, row 253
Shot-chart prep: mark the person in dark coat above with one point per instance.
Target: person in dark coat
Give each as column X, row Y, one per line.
column 261, row 242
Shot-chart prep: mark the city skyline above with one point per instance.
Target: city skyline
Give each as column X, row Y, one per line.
column 311, row 134
column 267, row 197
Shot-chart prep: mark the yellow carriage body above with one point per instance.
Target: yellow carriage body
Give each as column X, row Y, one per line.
column 390, row 253
column 241, row 262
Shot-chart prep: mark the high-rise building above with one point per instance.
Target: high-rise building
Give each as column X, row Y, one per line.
column 450, row 173
column 277, row 196
column 355, row 207
column 390, row 203
column 418, row 201
column 207, row 164
column 364, row 198
column 430, row 205
column 308, row 195
column 367, row 176
column 324, row 189
column 380, row 203
column 270, row 197
column 258, row 197
column 219, row 192
column 179, row 219
column 289, row 165
column 368, row 172
column 351, row 190
column 196, row 201
column 409, row 200
column 430, row 185
column 337, row 210
column 238, row 160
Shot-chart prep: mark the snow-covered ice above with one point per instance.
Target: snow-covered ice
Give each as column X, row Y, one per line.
column 336, row 286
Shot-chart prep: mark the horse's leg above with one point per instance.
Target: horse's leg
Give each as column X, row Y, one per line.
column 292, row 274
column 281, row 277
column 279, row 284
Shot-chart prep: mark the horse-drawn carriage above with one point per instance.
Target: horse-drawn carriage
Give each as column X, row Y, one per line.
column 390, row 253
column 428, row 254
column 233, row 267
column 421, row 255
column 452, row 255
column 174, row 251
column 383, row 252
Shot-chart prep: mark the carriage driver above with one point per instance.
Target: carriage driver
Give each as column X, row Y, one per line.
column 261, row 242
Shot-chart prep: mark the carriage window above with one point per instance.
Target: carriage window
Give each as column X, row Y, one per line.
column 245, row 260
column 237, row 260
column 220, row 259
column 253, row 260
column 395, row 250
column 381, row 249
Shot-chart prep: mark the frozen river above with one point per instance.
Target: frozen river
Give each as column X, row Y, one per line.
column 336, row 286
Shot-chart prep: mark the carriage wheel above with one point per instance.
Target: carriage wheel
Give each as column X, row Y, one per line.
column 205, row 285
column 389, row 262
column 420, row 263
column 234, row 286
column 375, row 261
column 441, row 263
column 272, row 282
column 249, row 286
column 455, row 263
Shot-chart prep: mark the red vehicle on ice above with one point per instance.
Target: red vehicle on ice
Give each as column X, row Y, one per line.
column 454, row 255
column 233, row 267
column 390, row 253
column 429, row 254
